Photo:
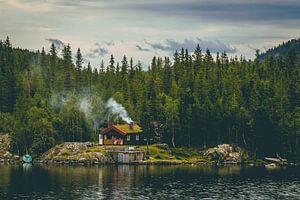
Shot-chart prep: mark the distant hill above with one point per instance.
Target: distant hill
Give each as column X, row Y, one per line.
column 283, row 49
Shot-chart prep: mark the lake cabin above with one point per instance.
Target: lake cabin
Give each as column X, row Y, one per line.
column 121, row 134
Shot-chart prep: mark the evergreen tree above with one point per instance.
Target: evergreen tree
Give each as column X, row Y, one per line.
column 68, row 68
column 112, row 64
column 196, row 100
column 78, row 66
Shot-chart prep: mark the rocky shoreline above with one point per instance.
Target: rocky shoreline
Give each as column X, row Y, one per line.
column 5, row 155
column 9, row 158
column 76, row 153
column 88, row 153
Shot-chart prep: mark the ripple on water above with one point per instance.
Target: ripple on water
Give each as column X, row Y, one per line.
column 148, row 182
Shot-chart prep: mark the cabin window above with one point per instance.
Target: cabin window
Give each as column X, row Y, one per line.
column 128, row 137
column 137, row 137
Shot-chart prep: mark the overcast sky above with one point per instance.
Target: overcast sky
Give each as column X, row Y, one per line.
column 142, row 29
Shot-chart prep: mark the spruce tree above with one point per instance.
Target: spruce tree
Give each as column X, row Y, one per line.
column 78, row 66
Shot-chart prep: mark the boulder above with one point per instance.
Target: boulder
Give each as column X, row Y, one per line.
column 4, row 143
column 227, row 154
column 82, row 160
column 74, row 153
column 5, row 154
column 272, row 166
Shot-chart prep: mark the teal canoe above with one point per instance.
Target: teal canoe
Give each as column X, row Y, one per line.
column 27, row 158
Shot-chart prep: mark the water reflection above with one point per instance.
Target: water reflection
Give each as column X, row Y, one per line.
column 145, row 182
column 27, row 167
column 5, row 170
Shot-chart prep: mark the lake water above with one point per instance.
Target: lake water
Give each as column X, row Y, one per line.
column 147, row 182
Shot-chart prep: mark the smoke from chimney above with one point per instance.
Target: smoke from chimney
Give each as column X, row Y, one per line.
column 117, row 109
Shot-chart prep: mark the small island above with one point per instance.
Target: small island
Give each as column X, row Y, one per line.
column 89, row 153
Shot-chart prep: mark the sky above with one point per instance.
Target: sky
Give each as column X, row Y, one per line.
column 142, row 29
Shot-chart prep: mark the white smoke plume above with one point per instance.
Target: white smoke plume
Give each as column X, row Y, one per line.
column 91, row 105
column 59, row 100
column 118, row 110
column 95, row 109
column 85, row 106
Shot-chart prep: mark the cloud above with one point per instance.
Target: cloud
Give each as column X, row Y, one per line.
column 98, row 51
column 171, row 45
column 141, row 48
column 105, row 43
column 57, row 42
column 159, row 46
column 109, row 43
column 231, row 11
column 251, row 47
column 235, row 22
column 29, row 5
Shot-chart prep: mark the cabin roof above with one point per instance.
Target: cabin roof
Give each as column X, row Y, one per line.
column 123, row 129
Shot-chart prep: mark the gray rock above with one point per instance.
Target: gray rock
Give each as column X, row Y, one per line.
column 272, row 166
column 82, row 160
column 7, row 155
column 227, row 154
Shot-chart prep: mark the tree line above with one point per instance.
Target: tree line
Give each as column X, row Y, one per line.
column 191, row 99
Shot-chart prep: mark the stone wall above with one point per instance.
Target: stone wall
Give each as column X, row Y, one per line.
column 128, row 157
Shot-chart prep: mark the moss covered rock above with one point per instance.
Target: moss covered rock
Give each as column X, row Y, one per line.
column 5, row 155
column 76, row 153
column 228, row 154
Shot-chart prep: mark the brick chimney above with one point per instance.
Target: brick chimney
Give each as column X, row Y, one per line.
column 131, row 124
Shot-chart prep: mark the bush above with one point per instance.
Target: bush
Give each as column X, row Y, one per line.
column 7, row 123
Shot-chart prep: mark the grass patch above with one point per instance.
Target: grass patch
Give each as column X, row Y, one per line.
column 155, row 153
column 185, row 152
column 62, row 157
column 93, row 149
column 180, row 154
column 189, row 154
column 66, row 153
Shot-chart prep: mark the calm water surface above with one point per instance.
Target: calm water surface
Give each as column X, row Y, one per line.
column 147, row 182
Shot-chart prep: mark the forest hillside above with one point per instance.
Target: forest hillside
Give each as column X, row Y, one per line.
column 191, row 99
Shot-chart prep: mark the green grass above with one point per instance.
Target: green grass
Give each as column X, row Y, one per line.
column 155, row 154
column 93, row 149
column 176, row 155
column 66, row 152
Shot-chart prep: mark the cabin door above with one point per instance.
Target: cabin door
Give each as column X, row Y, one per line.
column 100, row 139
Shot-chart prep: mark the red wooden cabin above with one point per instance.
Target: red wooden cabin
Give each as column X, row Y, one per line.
column 121, row 134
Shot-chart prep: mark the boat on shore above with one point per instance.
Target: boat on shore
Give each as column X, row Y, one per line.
column 27, row 158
